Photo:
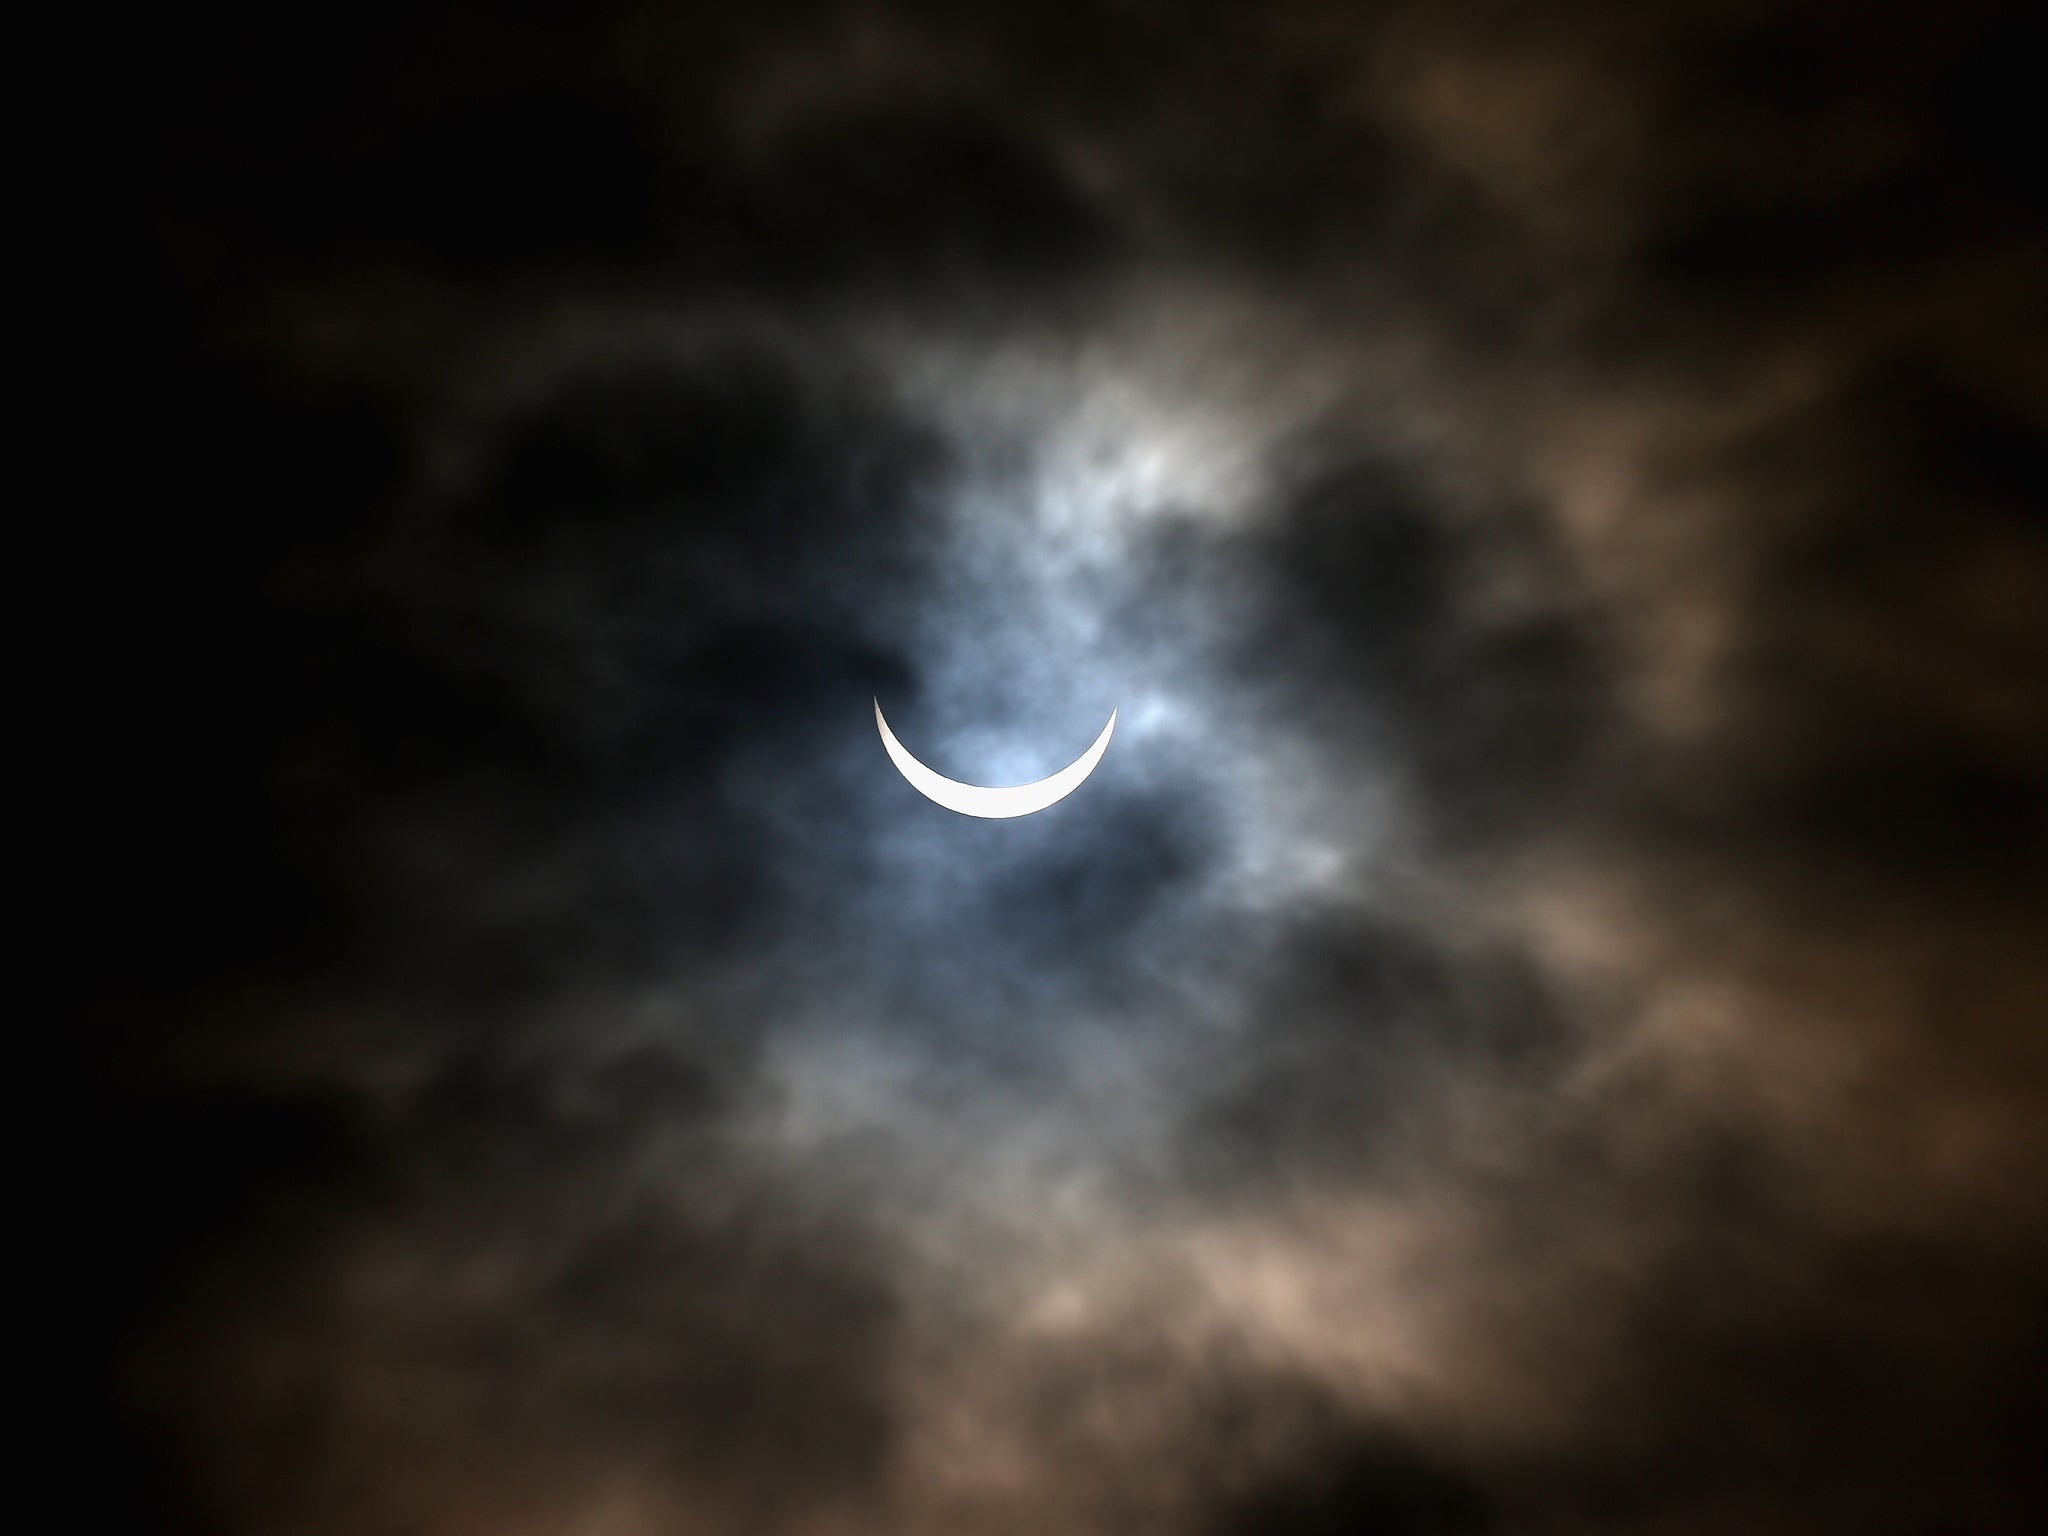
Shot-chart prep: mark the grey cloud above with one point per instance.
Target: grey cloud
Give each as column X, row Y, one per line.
column 1530, row 1029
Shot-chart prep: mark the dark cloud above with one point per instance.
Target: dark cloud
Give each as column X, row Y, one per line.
column 1823, row 155
column 901, row 199
column 1380, row 609
column 1366, row 1486
column 1532, row 1027
column 477, row 1260
column 1356, row 1012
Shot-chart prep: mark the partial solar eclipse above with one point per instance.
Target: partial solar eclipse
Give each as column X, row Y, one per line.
column 992, row 804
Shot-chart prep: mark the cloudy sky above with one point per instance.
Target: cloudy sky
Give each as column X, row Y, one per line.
column 1537, row 1027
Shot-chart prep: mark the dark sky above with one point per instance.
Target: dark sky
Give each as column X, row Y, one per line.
column 1537, row 1027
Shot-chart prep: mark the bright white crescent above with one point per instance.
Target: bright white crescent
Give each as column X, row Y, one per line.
column 993, row 804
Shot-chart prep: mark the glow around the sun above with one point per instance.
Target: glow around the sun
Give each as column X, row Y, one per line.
column 992, row 804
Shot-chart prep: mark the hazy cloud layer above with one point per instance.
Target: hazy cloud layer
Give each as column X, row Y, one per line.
column 1535, row 1025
